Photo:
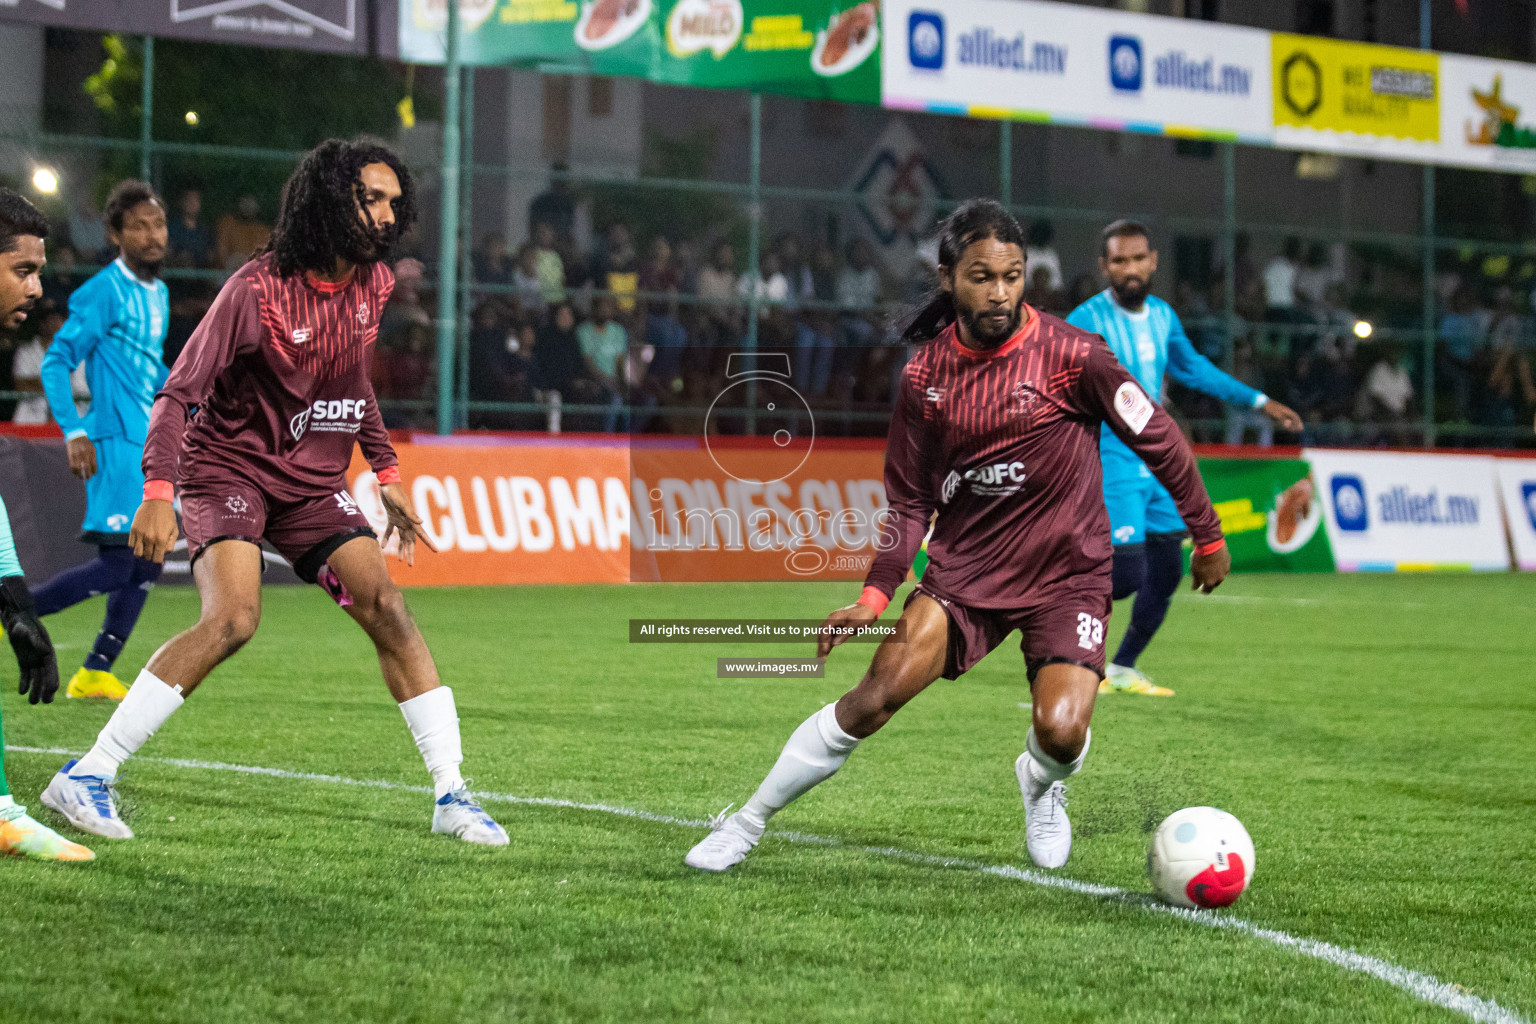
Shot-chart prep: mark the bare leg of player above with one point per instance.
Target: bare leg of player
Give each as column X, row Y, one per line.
column 818, row 748
column 378, row 606
column 228, row 576
column 1056, row 747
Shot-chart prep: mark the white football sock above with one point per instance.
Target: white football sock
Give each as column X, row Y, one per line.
column 1045, row 769
column 149, row 703
column 434, row 724
column 814, row 753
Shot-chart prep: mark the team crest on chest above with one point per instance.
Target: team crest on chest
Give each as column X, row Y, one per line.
column 1022, row 396
column 362, row 314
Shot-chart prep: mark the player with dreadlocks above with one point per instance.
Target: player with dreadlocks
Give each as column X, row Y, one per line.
column 996, row 428
column 277, row 374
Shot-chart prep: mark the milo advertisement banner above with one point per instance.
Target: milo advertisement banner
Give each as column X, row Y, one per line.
column 819, row 48
column 1270, row 514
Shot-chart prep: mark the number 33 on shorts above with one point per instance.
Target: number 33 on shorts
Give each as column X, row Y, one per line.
column 1090, row 632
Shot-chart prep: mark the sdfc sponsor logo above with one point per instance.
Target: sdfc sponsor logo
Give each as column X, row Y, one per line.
column 993, row 480
column 329, row 416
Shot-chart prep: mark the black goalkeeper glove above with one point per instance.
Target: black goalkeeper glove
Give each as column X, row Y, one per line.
column 30, row 641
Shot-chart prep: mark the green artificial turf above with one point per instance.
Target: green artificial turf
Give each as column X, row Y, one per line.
column 1374, row 733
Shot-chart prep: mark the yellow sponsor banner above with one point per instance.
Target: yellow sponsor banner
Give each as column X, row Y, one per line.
column 1362, row 88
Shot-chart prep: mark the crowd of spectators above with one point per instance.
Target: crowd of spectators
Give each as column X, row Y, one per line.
column 632, row 333
column 651, row 327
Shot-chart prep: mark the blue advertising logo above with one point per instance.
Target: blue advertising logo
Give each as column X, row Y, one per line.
column 1349, row 508
column 1528, row 492
column 1125, row 63
column 925, row 40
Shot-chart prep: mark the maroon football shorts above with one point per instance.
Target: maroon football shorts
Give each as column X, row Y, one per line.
column 1065, row 625
column 305, row 532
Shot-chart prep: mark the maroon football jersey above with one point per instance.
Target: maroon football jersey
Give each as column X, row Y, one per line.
column 278, row 376
column 1004, row 445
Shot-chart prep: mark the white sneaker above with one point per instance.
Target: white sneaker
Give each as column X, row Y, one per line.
column 457, row 814
column 87, row 802
column 728, row 843
column 1047, row 832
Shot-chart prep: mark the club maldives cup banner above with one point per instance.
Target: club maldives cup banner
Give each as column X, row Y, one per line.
column 820, row 48
column 666, row 511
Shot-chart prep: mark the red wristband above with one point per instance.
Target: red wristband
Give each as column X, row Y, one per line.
column 873, row 598
column 159, row 490
column 1211, row 548
column 389, row 475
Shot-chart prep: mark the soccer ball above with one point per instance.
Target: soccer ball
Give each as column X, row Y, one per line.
column 1200, row 857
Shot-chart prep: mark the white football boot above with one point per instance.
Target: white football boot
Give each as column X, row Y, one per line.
column 1047, row 832
column 457, row 814
column 87, row 802
column 728, row 843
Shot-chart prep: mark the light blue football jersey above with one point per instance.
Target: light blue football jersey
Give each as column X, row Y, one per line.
column 116, row 327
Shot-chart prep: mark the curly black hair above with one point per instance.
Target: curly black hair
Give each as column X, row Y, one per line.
column 127, row 194
column 18, row 217
column 317, row 218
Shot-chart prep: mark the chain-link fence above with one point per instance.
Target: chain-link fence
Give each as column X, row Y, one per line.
column 619, row 240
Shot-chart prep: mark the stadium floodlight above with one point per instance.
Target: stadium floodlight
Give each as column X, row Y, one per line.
column 45, row 180
column 1363, row 329
column 192, row 119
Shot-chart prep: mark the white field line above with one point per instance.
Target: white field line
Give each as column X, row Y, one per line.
column 1424, row 987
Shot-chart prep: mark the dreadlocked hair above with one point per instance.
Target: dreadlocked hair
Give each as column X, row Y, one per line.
column 17, row 218
column 317, row 217
column 971, row 222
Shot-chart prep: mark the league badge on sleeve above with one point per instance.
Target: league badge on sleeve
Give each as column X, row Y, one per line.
column 1133, row 407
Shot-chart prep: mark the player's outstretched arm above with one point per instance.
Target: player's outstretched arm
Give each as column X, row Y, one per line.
column 231, row 326
column 909, row 492
column 1111, row 393
column 88, row 323
column 1187, row 366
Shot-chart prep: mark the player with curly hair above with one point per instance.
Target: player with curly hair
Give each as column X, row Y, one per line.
column 278, row 376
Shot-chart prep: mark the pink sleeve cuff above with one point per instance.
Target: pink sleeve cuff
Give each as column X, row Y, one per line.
column 873, row 598
column 389, row 475
column 1211, row 548
column 159, row 490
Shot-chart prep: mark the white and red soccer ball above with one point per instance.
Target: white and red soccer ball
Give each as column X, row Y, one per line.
column 1200, row 858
